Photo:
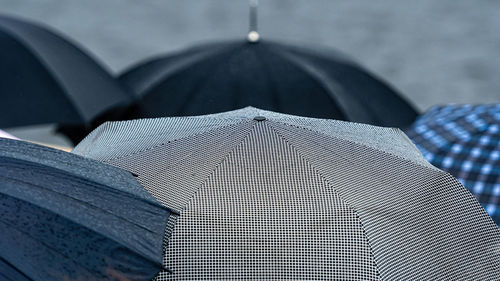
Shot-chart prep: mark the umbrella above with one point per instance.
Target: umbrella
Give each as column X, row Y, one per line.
column 45, row 78
column 263, row 196
column 225, row 76
column 464, row 140
column 64, row 217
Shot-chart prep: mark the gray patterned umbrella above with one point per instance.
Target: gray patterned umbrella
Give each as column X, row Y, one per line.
column 263, row 196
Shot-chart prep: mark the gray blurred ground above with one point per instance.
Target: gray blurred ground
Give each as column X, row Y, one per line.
column 433, row 51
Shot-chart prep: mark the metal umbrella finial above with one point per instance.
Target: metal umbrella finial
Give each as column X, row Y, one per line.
column 253, row 35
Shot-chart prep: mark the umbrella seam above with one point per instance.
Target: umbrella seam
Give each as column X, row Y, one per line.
column 85, row 203
column 432, row 168
column 142, row 136
column 207, row 78
column 80, row 177
column 294, row 55
column 51, row 248
column 205, row 180
column 173, row 140
column 440, row 175
column 110, row 125
column 86, row 227
column 316, row 170
column 175, row 163
column 15, row 268
column 52, row 73
column 105, row 127
column 272, row 83
column 184, row 67
column 314, row 77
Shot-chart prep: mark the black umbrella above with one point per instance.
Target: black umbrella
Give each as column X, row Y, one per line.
column 225, row 76
column 65, row 217
column 267, row 196
column 44, row 78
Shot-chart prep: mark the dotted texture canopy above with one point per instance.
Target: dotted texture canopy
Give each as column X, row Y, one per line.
column 300, row 198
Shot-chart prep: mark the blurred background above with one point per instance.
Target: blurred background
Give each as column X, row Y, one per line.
column 433, row 52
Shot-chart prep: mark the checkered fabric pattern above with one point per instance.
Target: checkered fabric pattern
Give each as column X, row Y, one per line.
column 464, row 140
column 268, row 196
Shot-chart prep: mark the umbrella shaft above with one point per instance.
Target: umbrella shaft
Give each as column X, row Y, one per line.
column 253, row 15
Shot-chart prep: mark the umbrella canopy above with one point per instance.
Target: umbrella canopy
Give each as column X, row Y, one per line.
column 263, row 195
column 44, row 78
column 464, row 140
column 64, row 217
column 226, row 76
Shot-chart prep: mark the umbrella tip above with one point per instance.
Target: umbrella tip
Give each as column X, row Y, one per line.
column 253, row 36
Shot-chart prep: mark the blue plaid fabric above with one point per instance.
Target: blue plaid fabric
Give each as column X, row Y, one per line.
column 464, row 140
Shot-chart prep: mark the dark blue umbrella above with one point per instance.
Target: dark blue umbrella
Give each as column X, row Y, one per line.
column 65, row 217
column 52, row 78
column 9, row 273
column 464, row 140
column 289, row 79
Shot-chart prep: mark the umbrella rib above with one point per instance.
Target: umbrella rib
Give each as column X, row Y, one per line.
column 68, row 257
column 435, row 174
column 83, row 178
column 244, row 139
column 331, row 186
column 207, row 78
column 93, row 230
column 349, row 62
column 87, row 180
column 85, row 203
column 316, row 74
column 105, row 128
column 49, row 247
column 430, row 168
column 318, row 80
column 53, row 75
column 433, row 171
column 179, row 67
column 273, row 83
column 15, row 268
column 335, row 88
column 107, row 161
